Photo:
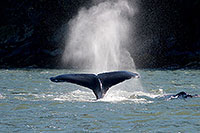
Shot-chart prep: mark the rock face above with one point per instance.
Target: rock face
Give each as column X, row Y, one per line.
column 28, row 31
column 168, row 33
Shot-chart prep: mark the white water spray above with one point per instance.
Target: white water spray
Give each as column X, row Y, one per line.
column 99, row 36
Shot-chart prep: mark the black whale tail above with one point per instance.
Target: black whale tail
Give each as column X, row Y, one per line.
column 100, row 83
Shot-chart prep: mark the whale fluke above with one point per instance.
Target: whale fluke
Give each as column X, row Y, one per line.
column 100, row 83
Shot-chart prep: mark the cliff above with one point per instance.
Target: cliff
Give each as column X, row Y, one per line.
column 31, row 33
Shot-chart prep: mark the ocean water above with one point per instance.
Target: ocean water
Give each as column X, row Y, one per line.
column 29, row 102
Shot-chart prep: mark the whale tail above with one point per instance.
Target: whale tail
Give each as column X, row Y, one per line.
column 99, row 84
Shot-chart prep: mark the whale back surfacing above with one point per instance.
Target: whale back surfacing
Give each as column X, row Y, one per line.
column 100, row 83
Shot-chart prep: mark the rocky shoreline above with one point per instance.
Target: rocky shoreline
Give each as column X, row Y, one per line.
column 32, row 36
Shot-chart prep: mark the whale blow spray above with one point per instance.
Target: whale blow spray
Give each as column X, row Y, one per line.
column 98, row 37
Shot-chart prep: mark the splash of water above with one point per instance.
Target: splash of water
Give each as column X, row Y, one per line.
column 99, row 37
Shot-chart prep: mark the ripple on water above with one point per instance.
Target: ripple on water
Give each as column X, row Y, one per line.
column 29, row 102
column 3, row 104
column 21, row 107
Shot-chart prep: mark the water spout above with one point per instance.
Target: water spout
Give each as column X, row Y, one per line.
column 99, row 36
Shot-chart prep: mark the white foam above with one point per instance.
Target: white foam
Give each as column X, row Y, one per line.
column 77, row 95
column 2, row 97
column 117, row 96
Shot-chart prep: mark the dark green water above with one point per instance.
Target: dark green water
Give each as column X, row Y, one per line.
column 29, row 102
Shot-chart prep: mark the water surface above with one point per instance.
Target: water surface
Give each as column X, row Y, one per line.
column 29, row 102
